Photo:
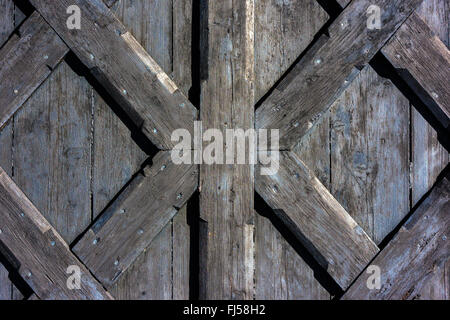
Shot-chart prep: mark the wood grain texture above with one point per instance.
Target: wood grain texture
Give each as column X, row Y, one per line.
column 429, row 157
column 144, row 20
column 435, row 14
column 124, row 68
column 6, row 20
column 281, row 274
column 370, row 153
column 26, row 61
column 283, row 29
column 52, row 151
column 37, row 251
column 227, row 192
column 317, row 219
column 136, row 217
column 329, row 66
column 424, row 61
column 417, row 253
column 150, row 275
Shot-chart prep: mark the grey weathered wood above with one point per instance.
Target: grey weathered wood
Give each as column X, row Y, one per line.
column 116, row 156
column 124, row 68
column 370, row 164
column 283, row 29
column 435, row 15
column 37, row 49
column 418, row 252
column 52, row 151
column 317, row 219
column 182, row 42
column 150, row 275
column 6, row 20
column 227, row 192
column 429, row 157
column 325, row 71
column 424, row 61
column 151, row 23
column 134, row 219
column 281, row 274
column 37, row 251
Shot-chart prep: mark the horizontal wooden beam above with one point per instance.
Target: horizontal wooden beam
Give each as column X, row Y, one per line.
column 310, row 88
column 317, row 219
column 136, row 217
column 26, row 60
column 419, row 250
column 423, row 61
column 37, row 251
column 139, row 85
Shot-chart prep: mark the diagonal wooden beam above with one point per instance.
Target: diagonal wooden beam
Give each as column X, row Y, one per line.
column 37, row 251
column 26, row 60
column 423, row 61
column 316, row 219
column 124, row 68
column 227, row 191
column 136, row 217
column 417, row 252
column 329, row 66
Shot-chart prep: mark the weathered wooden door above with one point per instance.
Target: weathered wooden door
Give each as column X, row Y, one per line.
column 88, row 186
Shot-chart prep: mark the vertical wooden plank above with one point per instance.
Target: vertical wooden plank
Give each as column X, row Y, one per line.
column 182, row 74
column 7, row 9
column 150, row 277
column 6, row 20
column 52, row 151
column 429, row 157
column 227, row 192
column 370, row 153
column 281, row 274
column 151, row 23
column 283, row 29
column 116, row 156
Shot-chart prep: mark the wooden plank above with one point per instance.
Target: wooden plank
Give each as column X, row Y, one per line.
column 317, row 219
column 54, row 126
column 151, row 23
column 425, row 64
column 134, row 219
column 281, row 274
column 283, row 29
column 329, row 66
column 116, row 156
column 435, row 14
column 417, row 253
column 37, row 251
column 124, row 68
column 429, row 157
column 227, row 192
column 37, row 49
column 6, row 20
column 182, row 73
column 150, row 275
column 370, row 140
